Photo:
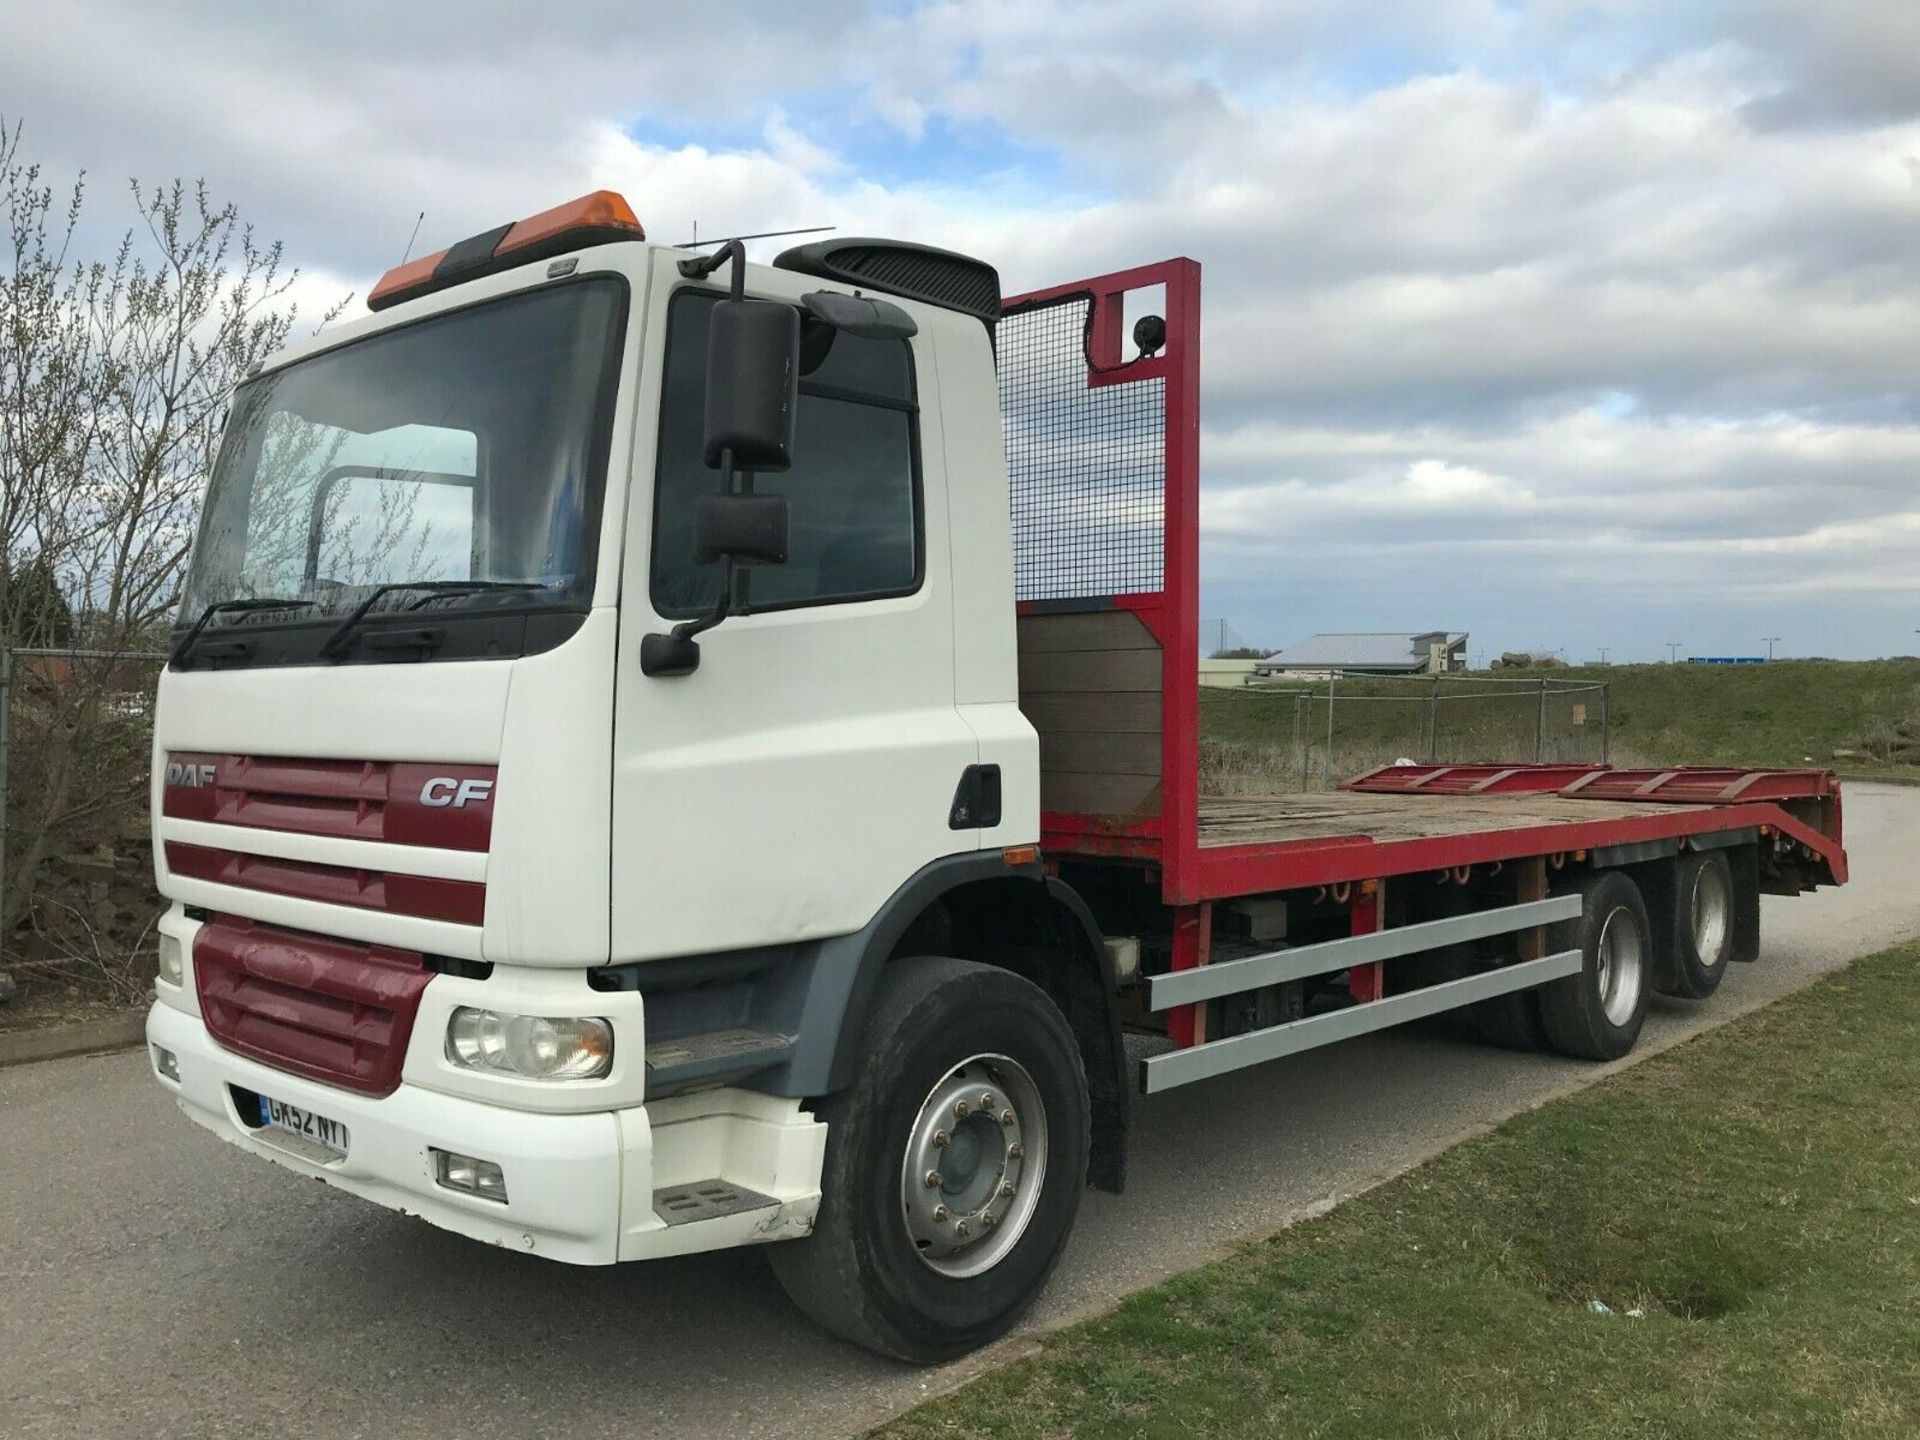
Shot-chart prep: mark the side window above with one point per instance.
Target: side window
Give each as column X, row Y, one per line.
column 853, row 493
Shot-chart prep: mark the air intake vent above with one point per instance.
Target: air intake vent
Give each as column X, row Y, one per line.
column 896, row 267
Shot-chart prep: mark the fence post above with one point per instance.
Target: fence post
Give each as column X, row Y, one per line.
column 6, row 706
column 1326, row 761
column 1606, row 722
column 1300, row 736
column 1433, row 723
column 1540, row 726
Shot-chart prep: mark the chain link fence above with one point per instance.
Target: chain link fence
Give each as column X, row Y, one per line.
column 77, row 899
column 1291, row 735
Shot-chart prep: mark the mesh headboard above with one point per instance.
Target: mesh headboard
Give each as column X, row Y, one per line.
column 1087, row 465
column 1103, row 461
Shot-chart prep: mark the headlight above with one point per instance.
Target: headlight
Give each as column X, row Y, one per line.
column 173, row 965
column 533, row 1047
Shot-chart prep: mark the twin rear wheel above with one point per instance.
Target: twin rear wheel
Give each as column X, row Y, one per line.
column 1597, row 1013
column 954, row 1165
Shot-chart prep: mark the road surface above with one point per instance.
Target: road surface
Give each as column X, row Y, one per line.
column 159, row 1283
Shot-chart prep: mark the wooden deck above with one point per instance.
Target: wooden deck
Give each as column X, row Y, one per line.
column 1337, row 814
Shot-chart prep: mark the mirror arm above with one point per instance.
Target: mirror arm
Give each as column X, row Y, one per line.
column 701, row 266
column 677, row 652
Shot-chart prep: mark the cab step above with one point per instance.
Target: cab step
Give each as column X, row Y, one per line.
column 707, row 1200
column 712, row 1057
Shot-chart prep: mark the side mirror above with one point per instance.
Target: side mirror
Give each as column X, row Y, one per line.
column 746, row 529
column 753, row 382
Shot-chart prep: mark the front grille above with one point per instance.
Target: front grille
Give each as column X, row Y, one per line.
column 350, row 799
column 459, row 902
column 332, row 1010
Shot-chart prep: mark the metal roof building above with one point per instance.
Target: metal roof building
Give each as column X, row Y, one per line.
column 1425, row 652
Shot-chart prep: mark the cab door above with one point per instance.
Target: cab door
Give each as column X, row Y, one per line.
column 809, row 765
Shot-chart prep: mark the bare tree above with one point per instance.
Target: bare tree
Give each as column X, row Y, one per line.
column 114, row 378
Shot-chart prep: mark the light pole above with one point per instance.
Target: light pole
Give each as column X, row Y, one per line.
column 1673, row 652
column 1603, row 653
column 1772, row 640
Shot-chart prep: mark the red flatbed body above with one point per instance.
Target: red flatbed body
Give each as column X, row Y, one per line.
column 1104, row 464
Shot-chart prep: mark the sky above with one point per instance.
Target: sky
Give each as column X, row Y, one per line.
column 1571, row 325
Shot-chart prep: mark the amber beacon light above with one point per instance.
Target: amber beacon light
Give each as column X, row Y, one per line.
column 597, row 219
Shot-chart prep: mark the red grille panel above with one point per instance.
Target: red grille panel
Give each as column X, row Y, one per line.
column 463, row 902
column 352, row 799
column 331, row 1010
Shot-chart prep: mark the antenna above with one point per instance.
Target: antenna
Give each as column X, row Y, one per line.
column 697, row 242
column 413, row 237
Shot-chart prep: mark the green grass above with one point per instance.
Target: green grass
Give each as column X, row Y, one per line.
column 1755, row 1192
column 1789, row 713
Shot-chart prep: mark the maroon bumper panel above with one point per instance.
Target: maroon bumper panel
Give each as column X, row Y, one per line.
column 331, row 1010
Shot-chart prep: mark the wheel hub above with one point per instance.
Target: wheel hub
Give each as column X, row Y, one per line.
column 1711, row 907
column 975, row 1160
column 1620, row 968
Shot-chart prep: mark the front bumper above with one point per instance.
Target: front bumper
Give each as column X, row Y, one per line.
column 581, row 1188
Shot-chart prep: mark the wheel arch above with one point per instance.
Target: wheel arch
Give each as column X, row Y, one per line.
column 1017, row 919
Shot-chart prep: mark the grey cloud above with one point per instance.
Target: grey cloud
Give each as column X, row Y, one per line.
column 1465, row 267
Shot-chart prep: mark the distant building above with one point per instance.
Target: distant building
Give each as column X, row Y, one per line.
column 1226, row 674
column 1425, row 652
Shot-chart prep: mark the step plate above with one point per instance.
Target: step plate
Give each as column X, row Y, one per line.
column 707, row 1200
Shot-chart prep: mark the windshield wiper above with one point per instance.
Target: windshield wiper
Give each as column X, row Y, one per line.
column 229, row 607
column 336, row 644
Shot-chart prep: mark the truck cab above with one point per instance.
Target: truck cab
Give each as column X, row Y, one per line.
column 471, row 915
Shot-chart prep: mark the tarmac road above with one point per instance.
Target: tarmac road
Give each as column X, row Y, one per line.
column 155, row 1282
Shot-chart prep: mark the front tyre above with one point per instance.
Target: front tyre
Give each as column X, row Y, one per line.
column 954, row 1165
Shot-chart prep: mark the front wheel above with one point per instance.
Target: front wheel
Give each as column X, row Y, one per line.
column 954, row 1165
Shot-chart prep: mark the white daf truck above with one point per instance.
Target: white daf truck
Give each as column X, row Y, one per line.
column 650, row 763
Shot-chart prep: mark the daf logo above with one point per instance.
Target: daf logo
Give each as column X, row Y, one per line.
column 194, row 777
column 444, row 790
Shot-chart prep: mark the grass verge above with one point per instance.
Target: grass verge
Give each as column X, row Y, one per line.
column 1755, row 1194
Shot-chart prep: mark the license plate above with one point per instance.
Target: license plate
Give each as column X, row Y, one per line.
column 316, row 1130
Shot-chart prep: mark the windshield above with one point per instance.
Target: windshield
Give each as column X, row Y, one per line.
column 470, row 447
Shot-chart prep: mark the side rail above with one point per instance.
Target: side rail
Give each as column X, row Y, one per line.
column 1191, row 987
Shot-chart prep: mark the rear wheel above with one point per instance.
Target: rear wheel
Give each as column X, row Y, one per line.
column 1511, row 1021
column 1703, row 924
column 1596, row 1013
column 954, row 1165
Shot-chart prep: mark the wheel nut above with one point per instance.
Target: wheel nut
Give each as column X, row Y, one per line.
column 1016, row 1151
column 987, row 1101
column 961, row 1230
column 942, row 1214
column 961, row 1110
column 986, row 1221
column 933, row 1179
column 941, row 1139
column 1006, row 1190
column 1007, row 1117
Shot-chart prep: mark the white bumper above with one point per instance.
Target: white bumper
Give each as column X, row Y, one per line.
column 580, row 1187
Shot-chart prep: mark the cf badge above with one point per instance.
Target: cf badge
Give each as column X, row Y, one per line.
column 443, row 790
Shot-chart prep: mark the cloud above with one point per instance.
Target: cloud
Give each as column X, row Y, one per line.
column 1621, row 292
